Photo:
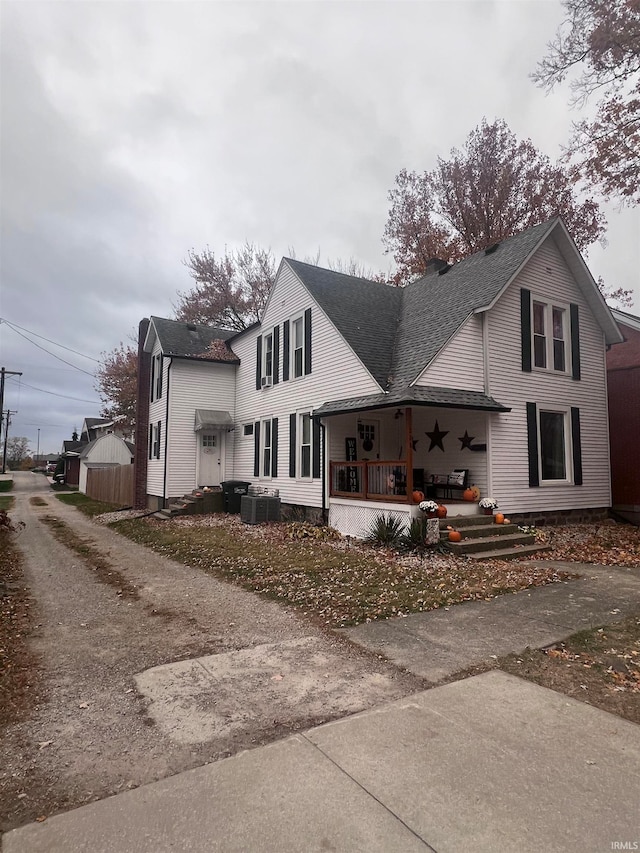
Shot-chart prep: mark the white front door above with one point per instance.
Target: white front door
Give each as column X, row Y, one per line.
column 210, row 458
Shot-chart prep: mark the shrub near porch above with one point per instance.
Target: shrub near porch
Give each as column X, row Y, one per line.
column 325, row 576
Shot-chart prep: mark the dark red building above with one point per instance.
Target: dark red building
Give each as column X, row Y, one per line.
column 623, row 378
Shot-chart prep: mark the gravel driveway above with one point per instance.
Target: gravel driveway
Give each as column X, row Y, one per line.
column 104, row 723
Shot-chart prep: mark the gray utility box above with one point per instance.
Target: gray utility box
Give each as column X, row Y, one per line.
column 258, row 509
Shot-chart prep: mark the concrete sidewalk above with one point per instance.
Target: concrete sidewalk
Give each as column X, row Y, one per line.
column 492, row 763
column 440, row 643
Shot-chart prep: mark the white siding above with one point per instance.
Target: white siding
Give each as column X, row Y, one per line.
column 195, row 385
column 548, row 278
column 337, row 373
column 158, row 412
column 460, row 363
column 108, row 448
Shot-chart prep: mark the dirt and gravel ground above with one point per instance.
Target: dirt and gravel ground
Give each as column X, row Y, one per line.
column 91, row 732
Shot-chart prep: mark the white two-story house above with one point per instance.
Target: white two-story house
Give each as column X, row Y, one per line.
column 351, row 395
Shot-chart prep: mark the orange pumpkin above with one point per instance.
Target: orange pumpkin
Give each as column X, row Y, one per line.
column 455, row 536
column 441, row 511
column 468, row 495
column 418, row 496
column 499, row 518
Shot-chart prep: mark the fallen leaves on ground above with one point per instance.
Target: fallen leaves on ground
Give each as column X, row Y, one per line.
column 340, row 581
column 608, row 543
column 18, row 665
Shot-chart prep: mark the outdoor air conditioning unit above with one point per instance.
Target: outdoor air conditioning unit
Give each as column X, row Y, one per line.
column 266, row 381
column 259, row 509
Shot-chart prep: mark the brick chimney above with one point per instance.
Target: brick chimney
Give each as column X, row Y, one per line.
column 142, row 420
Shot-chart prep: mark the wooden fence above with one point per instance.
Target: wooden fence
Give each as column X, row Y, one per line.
column 112, row 485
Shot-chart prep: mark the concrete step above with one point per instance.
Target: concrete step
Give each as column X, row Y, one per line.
column 515, row 553
column 477, row 520
column 476, row 531
column 490, row 543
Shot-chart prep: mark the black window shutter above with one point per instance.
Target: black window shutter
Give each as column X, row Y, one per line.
column 316, row 449
column 259, row 363
column 256, row 449
column 576, row 445
column 276, row 355
column 159, row 439
column 292, row 445
column 525, row 328
column 285, row 350
column 532, row 444
column 150, row 441
column 153, row 383
column 307, row 342
column 575, row 341
column 274, row 447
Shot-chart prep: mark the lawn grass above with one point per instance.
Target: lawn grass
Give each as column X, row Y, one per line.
column 325, row 576
column 6, row 485
column 6, row 502
column 86, row 505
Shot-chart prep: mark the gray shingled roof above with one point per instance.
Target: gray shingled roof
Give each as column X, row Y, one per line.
column 188, row 339
column 451, row 398
column 396, row 332
column 366, row 313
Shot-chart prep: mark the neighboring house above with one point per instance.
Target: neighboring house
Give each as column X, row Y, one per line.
column 623, row 375
column 71, row 461
column 93, row 428
column 350, row 392
column 77, row 454
column 107, row 451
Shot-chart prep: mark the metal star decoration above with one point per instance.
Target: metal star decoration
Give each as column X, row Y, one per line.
column 465, row 440
column 436, row 436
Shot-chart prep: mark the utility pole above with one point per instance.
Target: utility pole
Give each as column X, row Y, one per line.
column 38, row 450
column 4, row 373
column 8, row 413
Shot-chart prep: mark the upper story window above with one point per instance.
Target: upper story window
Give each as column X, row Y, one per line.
column 550, row 334
column 267, row 359
column 297, row 348
column 156, row 377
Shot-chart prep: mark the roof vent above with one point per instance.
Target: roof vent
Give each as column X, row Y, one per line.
column 191, row 327
column 445, row 270
column 491, row 249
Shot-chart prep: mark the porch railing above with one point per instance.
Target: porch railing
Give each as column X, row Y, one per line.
column 369, row 480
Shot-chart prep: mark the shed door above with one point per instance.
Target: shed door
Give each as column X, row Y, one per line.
column 210, row 460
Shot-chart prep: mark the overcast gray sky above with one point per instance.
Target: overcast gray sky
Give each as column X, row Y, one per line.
column 134, row 131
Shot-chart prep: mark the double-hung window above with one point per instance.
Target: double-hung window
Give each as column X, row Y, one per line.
column 550, row 334
column 267, row 448
column 297, row 349
column 156, row 377
column 267, row 359
column 304, row 465
column 554, row 445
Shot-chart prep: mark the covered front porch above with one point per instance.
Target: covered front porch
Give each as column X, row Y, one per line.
column 380, row 455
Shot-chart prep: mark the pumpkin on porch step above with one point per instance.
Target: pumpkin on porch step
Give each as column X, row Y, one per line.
column 476, row 493
column 418, row 496
column 455, row 536
column 441, row 512
column 498, row 518
column 468, row 495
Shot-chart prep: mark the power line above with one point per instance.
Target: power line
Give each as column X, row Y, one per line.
column 44, row 349
column 53, row 393
column 15, row 326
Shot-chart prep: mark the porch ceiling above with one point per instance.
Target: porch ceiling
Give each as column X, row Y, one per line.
column 445, row 398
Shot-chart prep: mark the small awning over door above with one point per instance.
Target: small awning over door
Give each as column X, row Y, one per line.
column 212, row 419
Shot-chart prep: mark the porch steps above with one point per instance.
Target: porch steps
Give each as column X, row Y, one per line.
column 483, row 539
column 196, row 503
